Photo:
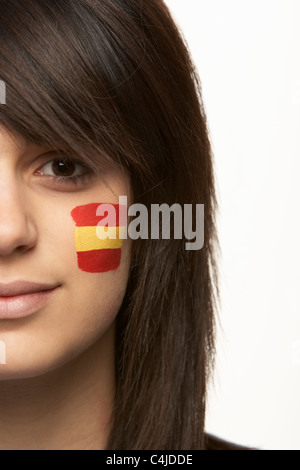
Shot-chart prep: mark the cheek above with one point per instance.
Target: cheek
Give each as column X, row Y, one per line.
column 99, row 234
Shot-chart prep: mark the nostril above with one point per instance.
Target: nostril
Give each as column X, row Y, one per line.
column 23, row 248
column 18, row 228
column 16, row 236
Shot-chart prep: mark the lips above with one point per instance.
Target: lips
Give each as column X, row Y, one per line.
column 21, row 299
column 23, row 287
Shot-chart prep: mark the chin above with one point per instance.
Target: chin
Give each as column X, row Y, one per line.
column 20, row 366
column 23, row 362
column 17, row 372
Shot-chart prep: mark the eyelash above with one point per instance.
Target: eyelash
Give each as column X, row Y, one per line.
column 72, row 180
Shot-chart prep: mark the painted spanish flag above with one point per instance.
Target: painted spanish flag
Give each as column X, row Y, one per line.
column 99, row 233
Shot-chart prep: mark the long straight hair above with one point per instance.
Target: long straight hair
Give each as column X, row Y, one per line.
column 112, row 81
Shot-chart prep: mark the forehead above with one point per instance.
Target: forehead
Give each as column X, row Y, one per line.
column 10, row 138
column 11, row 141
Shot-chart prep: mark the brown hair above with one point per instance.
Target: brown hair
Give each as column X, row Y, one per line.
column 112, row 80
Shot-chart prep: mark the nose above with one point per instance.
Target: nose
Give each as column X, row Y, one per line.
column 17, row 229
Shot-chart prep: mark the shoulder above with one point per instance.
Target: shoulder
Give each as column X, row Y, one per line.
column 215, row 443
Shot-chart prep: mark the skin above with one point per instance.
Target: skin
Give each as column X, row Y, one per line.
column 60, row 361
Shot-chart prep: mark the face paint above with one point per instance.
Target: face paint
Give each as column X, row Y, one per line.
column 100, row 230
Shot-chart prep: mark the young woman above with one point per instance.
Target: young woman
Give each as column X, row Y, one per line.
column 107, row 346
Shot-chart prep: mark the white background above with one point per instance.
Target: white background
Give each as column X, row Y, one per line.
column 248, row 57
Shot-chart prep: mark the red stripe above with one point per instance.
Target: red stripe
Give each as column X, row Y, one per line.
column 85, row 216
column 99, row 261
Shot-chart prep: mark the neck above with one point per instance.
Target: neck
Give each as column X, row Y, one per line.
column 66, row 409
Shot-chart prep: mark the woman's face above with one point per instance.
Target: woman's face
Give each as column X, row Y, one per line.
column 37, row 245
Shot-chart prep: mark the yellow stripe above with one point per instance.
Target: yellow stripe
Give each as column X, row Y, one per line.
column 110, row 232
column 88, row 238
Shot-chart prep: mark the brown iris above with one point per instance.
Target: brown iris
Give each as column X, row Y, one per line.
column 63, row 167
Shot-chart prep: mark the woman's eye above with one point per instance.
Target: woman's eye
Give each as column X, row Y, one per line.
column 62, row 168
column 65, row 171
